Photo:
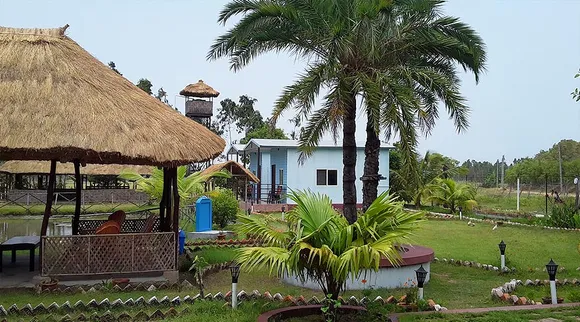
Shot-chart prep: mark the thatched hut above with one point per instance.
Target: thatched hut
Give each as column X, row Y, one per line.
column 59, row 103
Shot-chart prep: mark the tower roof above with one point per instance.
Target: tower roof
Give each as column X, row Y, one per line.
column 199, row 89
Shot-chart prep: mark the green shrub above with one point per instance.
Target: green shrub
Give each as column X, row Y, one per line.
column 225, row 207
column 564, row 216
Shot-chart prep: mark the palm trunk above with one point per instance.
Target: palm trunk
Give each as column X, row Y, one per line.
column 349, row 162
column 371, row 175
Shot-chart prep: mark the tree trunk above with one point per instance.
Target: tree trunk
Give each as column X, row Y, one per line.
column 371, row 175
column 349, row 161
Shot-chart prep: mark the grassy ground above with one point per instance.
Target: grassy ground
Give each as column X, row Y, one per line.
column 526, row 247
column 451, row 286
column 561, row 314
column 493, row 200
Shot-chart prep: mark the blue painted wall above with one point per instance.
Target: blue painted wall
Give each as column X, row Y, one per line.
column 304, row 176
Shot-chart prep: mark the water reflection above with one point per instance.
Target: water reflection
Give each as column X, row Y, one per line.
column 31, row 227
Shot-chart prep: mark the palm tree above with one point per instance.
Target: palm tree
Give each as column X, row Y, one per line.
column 328, row 34
column 189, row 187
column 448, row 193
column 321, row 245
column 359, row 50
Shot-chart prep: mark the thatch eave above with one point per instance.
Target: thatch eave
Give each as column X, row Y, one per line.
column 58, row 102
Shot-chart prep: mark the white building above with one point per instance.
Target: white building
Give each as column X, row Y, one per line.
column 276, row 164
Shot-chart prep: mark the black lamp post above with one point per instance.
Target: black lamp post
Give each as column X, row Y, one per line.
column 421, row 276
column 502, row 246
column 235, row 270
column 552, row 268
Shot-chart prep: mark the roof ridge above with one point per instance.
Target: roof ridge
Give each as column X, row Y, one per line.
column 54, row 32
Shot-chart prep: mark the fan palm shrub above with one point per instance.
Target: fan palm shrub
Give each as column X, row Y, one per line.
column 320, row 245
column 189, row 186
column 450, row 194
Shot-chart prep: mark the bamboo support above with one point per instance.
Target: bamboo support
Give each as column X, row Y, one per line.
column 78, row 197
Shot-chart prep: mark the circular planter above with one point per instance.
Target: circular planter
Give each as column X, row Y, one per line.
column 302, row 311
column 388, row 275
column 122, row 282
column 48, row 285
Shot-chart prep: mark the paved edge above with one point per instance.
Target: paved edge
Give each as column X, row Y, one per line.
column 395, row 317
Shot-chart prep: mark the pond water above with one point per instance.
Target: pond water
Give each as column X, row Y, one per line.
column 31, row 227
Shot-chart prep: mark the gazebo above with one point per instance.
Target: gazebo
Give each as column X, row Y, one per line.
column 60, row 104
column 239, row 180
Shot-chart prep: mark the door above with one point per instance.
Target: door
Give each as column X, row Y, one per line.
column 273, row 184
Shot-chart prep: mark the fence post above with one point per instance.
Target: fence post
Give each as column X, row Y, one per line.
column 518, row 192
column 546, row 180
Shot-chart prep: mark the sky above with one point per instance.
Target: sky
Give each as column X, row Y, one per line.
column 522, row 104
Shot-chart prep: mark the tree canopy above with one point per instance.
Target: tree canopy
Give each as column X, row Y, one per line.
column 243, row 118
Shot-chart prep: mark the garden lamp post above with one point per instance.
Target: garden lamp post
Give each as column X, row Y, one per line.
column 460, row 213
column 235, row 270
column 552, row 268
column 502, row 253
column 421, row 276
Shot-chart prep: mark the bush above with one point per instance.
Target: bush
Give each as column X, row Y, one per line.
column 225, row 207
column 564, row 216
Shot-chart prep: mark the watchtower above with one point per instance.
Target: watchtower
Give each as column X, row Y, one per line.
column 199, row 102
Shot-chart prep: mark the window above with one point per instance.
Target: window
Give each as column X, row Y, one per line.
column 325, row 177
column 281, row 176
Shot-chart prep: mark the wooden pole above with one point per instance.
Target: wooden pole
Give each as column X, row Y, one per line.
column 175, row 212
column 162, row 203
column 168, row 202
column 78, row 197
column 49, row 196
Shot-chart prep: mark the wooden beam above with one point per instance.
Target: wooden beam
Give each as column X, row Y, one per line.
column 78, row 197
column 175, row 212
column 162, row 203
column 168, row 202
column 49, row 196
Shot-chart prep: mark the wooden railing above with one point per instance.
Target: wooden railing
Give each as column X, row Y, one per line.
column 88, row 227
column 108, row 254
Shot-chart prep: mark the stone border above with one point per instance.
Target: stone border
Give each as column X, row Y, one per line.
column 223, row 243
column 109, row 316
column 67, row 307
column 502, row 293
column 474, row 264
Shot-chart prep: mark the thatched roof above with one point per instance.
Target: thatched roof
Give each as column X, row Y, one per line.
column 199, row 89
column 234, row 168
column 43, row 167
column 59, row 102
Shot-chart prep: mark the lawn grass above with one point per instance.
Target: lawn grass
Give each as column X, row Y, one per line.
column 527, row 247
column 560, row 314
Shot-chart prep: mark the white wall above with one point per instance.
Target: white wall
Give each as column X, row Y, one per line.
column 301, row 177
column 392, row 277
